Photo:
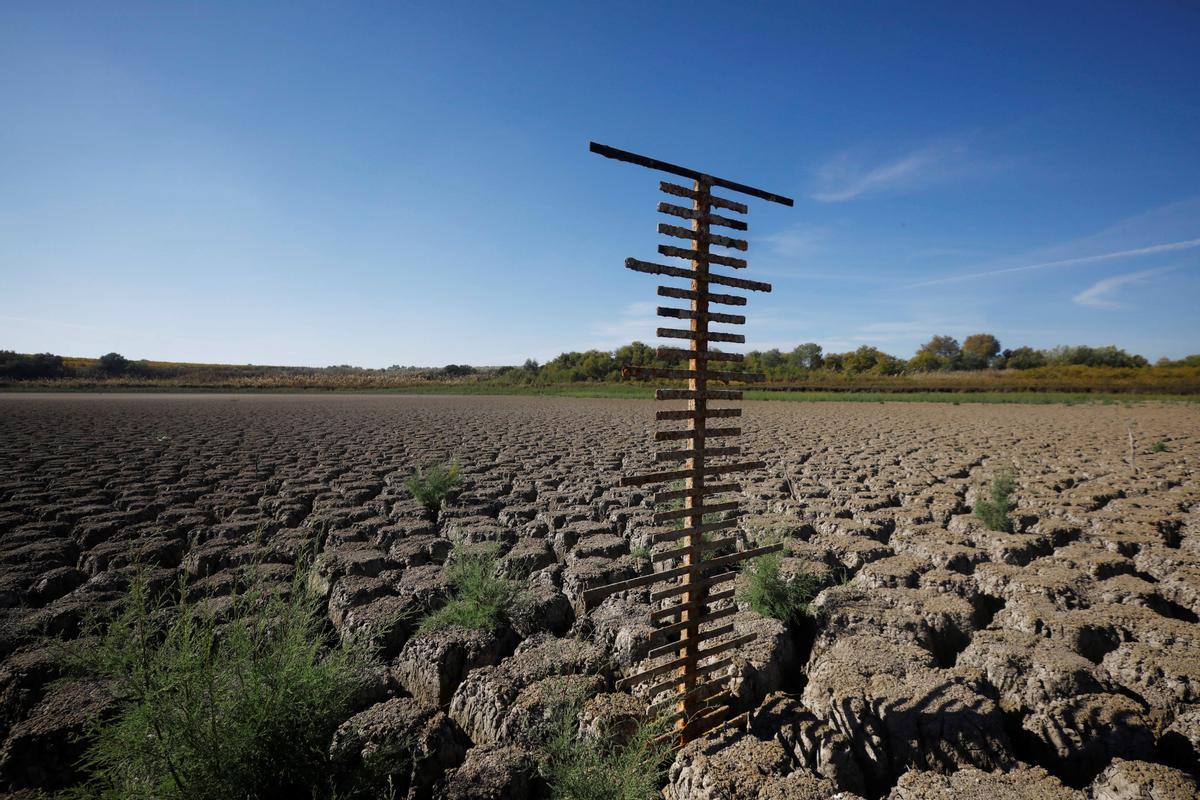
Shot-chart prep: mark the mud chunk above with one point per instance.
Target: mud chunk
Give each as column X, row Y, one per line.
column 900, row 712
column 432, row 665
column 1167, row 677
column 1081, row 734
column 763, row 665
column 526, row 557
column 401, row 739
column 1029, row 671
column 495, row 773
column 43, row 750
column 1021, row 783
column 728, row 763
column 482, row 703
column 1143, row 780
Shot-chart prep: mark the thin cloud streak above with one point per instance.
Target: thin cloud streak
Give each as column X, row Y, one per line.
column 1066, row 262
column 842, row 179
column 1098, row 294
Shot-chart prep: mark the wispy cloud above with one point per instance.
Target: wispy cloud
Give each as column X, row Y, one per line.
column 1165, row 247
column 846, row 176
column 1099, row 294
column 797, row 240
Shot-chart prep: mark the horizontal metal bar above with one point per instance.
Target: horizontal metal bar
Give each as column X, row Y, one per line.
column 712, row 413
column 711, row 316
column 701, row 692
column 680, row 232
column 651, row 268
column 709, row 433
column 676, row 494
column 711, row 297
column 733, row 558
column 700, row 355
column 707, row 669
column 711, row 336
column 692, row 394
column 713, row 200
column 675, row 647
column 600, row 592
column 718, row 469
column 680, row 513
column 704, row 258
column 707, row 527
column 684, row 172
column 678, row 627
column 684, row 455
column 683, row 588
column 692, row 605
column 702, row 216
column 716, row 544
column 652, row 672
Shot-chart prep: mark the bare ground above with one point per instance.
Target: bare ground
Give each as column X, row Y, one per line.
column 1059, row 660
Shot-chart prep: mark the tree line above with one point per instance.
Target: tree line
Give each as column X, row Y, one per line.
column 979, row 351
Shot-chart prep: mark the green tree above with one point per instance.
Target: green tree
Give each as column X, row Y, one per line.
column 806, row 356
column 113, row 364
column 1024, row 358
column 978, row 350
column 940, row 352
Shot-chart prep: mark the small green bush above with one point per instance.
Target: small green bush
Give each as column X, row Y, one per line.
column 604, row 767
column 243, row 707
column 772, row 594
column 482, row 599
column 430, row 485
column 993, row 510
column 1158, row 447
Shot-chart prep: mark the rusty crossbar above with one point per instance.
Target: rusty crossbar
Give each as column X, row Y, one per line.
column 697, row 699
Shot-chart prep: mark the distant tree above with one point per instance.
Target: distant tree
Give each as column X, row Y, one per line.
column 871, row 359
column 806, row 356
column 19, row 366
column 1024, row 358
column 978, row 350
column 113, row 364
column 530, row 365
column 940, row 352
column 772, row 359
column 1083, row 355
column 457, row 370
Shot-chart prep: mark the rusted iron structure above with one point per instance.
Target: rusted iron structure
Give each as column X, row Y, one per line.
column 692, row 678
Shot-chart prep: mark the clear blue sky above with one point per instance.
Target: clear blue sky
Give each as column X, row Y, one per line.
column 320, row 183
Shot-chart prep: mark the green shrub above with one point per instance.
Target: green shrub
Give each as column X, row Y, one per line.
column 243, row 707
column 1158, row 447
column 482, row 599
column 604, row 767
column 993, row 510
column 430, row 485
column 772, row 594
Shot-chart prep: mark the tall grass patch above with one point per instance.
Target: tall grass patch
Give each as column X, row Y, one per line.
column 785, row 597
column 608, row 766
column 242, row 706
column 483, row 600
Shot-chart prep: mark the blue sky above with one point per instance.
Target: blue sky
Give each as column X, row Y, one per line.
column 321, row 183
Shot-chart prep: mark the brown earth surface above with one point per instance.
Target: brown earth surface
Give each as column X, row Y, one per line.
column 1059, row 660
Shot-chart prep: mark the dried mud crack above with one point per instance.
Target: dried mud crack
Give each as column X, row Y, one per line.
column 1058, row 659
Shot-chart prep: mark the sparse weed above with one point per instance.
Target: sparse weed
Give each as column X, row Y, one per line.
column 993, row 510
column 430, row 485
column 482, row 599
column 773, row 594
column 1158, row 447
column 604, row 767
column 208, row 708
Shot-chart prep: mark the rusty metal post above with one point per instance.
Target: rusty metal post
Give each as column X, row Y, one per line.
column 697, row 704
